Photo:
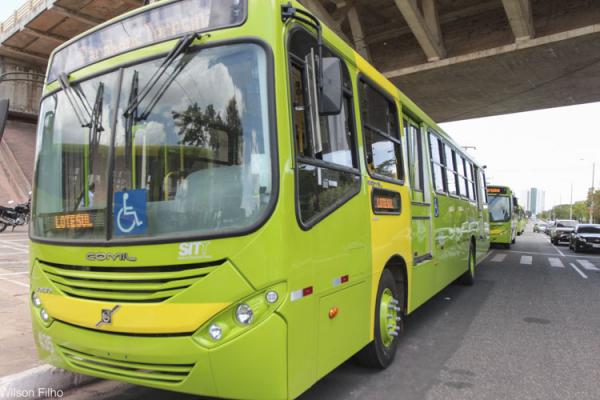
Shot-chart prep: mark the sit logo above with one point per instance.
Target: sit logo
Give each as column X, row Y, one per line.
column 194, row 250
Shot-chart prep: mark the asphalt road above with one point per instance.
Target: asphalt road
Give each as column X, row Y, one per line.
column 528, row 329
column 17, row 351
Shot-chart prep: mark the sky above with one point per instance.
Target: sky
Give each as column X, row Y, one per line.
column 8, row 7
column 549, row 149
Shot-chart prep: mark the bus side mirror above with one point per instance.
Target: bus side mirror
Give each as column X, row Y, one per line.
column 3, row 115
column 330, row 101
column 515, row 202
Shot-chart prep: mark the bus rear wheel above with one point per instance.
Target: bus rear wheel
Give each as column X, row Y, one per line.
column 389, row 324
column 468, row 278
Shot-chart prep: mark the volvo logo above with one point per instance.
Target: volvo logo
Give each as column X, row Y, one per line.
column 110, row 257
column 106, row 316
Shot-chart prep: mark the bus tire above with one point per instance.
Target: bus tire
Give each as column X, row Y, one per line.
column 381, row 351
column 468, row 278
column 507, row 246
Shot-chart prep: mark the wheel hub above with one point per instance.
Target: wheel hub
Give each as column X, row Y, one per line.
column 390, row 317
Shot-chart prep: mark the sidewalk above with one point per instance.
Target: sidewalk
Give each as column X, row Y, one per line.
column 16, row 340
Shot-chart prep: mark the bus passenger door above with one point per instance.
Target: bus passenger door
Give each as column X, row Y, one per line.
column 483, row 242
column 420, row 195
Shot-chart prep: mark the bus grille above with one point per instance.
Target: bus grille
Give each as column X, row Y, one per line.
column 126, row 284
column 163, row 373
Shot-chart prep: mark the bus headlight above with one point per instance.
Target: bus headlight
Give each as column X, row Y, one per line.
column 244, row 314
column 35, row 299
column 240, row 316
column 215, row 332
column 44, row 315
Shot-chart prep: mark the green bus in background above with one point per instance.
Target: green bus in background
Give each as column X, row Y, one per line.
column 504, row 215
column 229, row 201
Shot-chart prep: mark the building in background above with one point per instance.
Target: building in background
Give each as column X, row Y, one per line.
column 536, row 200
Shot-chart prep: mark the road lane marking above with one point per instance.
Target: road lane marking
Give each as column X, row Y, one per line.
column 526, row 260
column 551, row 254
column 498, row 258
column 588, row 265
column 555, row 262
column 15, row 282
column 578, row 271
column 14, row 262
column 486, row 256
column 15, row 273
column 557, row 250
column 13, row 243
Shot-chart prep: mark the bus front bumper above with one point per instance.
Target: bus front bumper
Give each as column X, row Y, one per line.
column 500, row 235
column 251, row 366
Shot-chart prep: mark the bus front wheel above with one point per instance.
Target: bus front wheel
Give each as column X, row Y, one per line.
column 389, row 324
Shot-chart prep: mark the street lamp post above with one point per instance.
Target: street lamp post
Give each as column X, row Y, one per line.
column 571, row 204
column 592, row 201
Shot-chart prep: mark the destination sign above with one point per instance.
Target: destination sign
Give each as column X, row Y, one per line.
column 162, row 23
column 386, row 201
column 73, row 221
column 497, row 190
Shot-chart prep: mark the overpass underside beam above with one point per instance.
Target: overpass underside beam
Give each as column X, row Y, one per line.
column 357, row 33
column 425, row 25
column 520, row 18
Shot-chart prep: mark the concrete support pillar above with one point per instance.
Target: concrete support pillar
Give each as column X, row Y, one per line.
column 21, row 83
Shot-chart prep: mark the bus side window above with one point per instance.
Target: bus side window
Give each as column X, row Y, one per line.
column 328, row 173
column 451, row 174
column 482, row 187
column 382, row 136
column 415, row 158
column 473, row 195
column 437, row 166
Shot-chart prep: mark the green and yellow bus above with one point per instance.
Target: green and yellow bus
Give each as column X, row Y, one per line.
column 229, row 201
column 503, row 208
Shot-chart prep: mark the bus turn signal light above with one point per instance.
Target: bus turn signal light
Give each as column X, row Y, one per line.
column 333, row 312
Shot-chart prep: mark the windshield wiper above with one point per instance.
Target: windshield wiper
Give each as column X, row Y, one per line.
column 134, row 101
column 130, row 119
column 81, row 107
column 94, row 134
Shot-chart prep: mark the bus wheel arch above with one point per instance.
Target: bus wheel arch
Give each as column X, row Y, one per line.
column 390, row 309
column 468, row 277
column 398, row 268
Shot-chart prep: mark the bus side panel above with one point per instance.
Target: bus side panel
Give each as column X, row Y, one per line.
column 391, row 236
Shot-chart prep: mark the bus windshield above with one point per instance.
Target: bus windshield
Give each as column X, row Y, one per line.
column 499, row 207
column 193, row 158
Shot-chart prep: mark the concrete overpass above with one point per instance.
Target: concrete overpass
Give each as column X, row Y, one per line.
column 461, row 59
column 27, row 38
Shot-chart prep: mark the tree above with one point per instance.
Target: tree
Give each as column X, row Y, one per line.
column 205, row 128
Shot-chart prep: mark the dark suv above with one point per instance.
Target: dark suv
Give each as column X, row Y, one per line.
column 585, row 237
column 561, row 231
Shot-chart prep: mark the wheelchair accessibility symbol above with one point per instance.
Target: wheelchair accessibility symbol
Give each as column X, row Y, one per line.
column 130, row 212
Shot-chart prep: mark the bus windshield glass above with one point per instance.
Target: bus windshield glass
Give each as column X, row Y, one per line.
column 499, row 207
column 191, row 159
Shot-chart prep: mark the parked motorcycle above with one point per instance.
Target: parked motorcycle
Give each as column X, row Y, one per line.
column 15, row 216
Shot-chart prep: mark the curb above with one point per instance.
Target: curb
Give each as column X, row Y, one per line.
column 41, row 382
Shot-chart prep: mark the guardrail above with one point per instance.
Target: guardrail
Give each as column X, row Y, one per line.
column 23, row 12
